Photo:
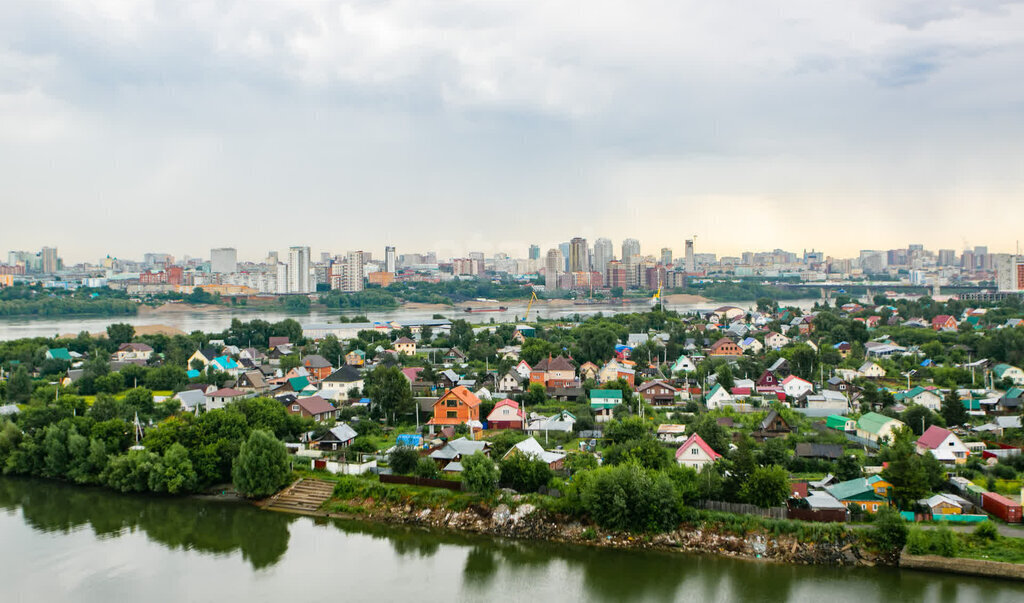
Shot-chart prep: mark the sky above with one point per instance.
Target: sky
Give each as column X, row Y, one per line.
column 154, row 126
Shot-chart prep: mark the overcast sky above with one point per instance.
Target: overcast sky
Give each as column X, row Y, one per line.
column 128, row 127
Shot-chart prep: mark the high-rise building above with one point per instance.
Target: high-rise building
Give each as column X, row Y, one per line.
column 1010, row 272
column 616, row 275
column 578, row 256
column 272, row 258
column 478, row 258
column 947, row 257
column 666, row 256
column 352, row 271
column 981, row 258
column 281, row 282
column 563, row 248
column 552, row 265
column 534, row 253
column 390, row 260
column 223, row 260
column 49, row 262
column 690, row 260
column 604, row 252
column 298, row 270
column 967, row 260
column 630, row 247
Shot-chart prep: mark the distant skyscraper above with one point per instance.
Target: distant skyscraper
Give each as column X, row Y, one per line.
column 552, row 266
column 563, row 248
column 534, row 252
column 630, row 247
column 48, row 260
column 604, row 252
column 390, row 260
column 223, row 260
column 1010, row 272
column 666, row 256
column 298, row 270
column 352, row 271
column 273, row 258
column 578, row 257
column 947, row 257
column 690, row 260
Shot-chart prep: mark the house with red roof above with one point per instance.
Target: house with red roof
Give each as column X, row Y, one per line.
column 944, row 322
column 313, row 407
column 554, row 372
column 795, row 386
column 218, row 398
column 943, row 444
column 725, row 348
column 696, row 453
column 506, row 415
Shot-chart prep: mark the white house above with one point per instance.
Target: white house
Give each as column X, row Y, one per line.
column 943, row 444
column 1006, row 371
column 683, row 365
column 511, row 382
column 337, row 385
column 927, row 398
column 795, row 386
column 751, row 345
column 127, row 352
column 696, row 453
column 775, row 341
column 523, row 368
column 718, row 397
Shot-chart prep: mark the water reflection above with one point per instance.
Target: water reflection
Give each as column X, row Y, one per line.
column 212, row 527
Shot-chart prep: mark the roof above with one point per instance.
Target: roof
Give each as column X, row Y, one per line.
column 60, row 354
column 298, row 383
column 933, row 437
column 190, row 398
column 606, row 394
column 225, row 392
column 778, row 364
column 810, row 450
column 771, row 416
column 137, row 347
column 458, row 448
column 659, row 382
column 558, row 363
column 823, row 500
column 532, row 448
column 940, row 499
column 854, row 489
column 315, row 405
column 315, row 361
column 9, row 409
column 699, row 441
column 461, row 394
column 1001, row 368
column 404, row 340
column 866, row 366
column 345, row 374
column 873, row 422
column 273, row 342
column 341, row 432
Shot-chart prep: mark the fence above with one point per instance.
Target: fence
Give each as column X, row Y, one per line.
column 343, row 468
column 833, row 515
column 770, row 512
column 420, row 481
column 861, row 441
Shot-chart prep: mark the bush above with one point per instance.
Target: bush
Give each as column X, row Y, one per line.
column 261, row 467
column 403, row 460
column 932, row 542
column 479, row 474
column 986, row 530
column 629, row 497
column 426, row 469
column 890, row 532
column 524, row 474
column 362, row 444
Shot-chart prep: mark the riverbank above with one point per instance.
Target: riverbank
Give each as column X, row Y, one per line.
column 513, row 516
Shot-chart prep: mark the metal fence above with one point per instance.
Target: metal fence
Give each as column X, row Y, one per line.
column 861, row 441
column 770, row 512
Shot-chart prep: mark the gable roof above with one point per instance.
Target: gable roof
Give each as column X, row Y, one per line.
column 933, row 437
column 854, row 489
column 60, row 354
column 225, row 392
column 770, row 417
column 315, row 361
column 315, row 405
column 532, row 448
column 699, row 441
column 404, row 340
column 340, row 432
column 558, row 363
column 461, row 394
column 873, row 422
column 344, row 374
column 190, row 398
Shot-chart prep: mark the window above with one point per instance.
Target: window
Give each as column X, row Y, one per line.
column 693, row 451
column 452, row 404
column 452, row 414
column 295, row 408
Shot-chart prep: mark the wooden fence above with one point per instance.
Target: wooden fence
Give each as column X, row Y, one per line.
column 420, row 481
column 770, row 512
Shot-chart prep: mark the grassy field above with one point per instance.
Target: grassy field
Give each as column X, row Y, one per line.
column 1009, row 550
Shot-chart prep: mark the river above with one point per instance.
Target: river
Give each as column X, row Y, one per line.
column 64, row 543
column 212, row 321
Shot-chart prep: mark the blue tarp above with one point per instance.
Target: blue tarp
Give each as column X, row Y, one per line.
column 409, row 439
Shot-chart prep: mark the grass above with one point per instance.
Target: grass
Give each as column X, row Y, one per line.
column 350, row 487
column 1008, row 550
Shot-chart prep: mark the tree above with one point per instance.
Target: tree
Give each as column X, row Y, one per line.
column 622, row 431
column 919, row 418
column 289, row 362
column 766, row 487
column 19, row 386
column 262, row 465
column 847, row 468
column 713, row 434
column 119, row 333
column 139, row 400
column 479, row 474
column 889, row 534
column 173, row 473
column 523, row 473
column 330, row 349
column 724, row 374
column 403, row 460
column 628, row 497
column 426, row 468
column 953, row 411
column 535, row 395
column 389, row 392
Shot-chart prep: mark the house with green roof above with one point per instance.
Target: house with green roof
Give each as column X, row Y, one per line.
column 1006, row 371
column 877, row 427
column 927, row 398
column 1014, row 393
column 840, row 423
column 605, row 399
column 59, row 354
column 870, row 494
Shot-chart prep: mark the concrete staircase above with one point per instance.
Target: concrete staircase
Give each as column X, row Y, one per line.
column 304, row 497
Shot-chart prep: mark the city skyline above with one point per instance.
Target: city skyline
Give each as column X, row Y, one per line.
column 806, row 118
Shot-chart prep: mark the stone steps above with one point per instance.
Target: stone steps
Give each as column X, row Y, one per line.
column 304, row 496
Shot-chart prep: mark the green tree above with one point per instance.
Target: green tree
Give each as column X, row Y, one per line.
column 119, row 333
column 919, row 418
column 19, row 386
column 479, row 474
column 330, row 349
column 632, row 428
column 129, row 472
column 848, row 467
column 628, row 497
column 139, row 400
column 889, row 533
column 403, row 460
column 724, row 374
column 766, row 487
column 426, row 469
column 536, row 394
column 389, row 391
column 262, row 465
column 953, row 411
column 173, row 473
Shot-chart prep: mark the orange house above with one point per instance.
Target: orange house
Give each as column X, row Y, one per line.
column 943, row 321
column 456, row 407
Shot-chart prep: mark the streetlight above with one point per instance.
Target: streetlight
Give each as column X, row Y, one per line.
column 908, row 376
